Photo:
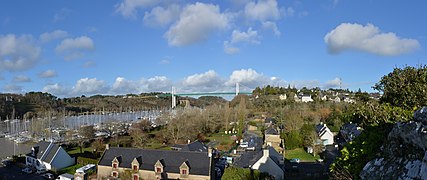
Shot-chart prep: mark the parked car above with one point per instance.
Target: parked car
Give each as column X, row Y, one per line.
column 6, row 162
column 49, row 176
column 27, row 170
column 295, row 160
column 40, row 171
column 244, row 144
column 250, row 148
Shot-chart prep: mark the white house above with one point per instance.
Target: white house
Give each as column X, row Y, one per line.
column 336, row 99
column 325, row 134
column 306, row 98
column 48, row 156
column 271, row 162
column 283, row 97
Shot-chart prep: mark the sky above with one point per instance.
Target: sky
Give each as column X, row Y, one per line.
column 80, row 47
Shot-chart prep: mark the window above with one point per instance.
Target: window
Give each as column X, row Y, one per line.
column 115, row 174
column 184, row 171
column 114, row 165
column 158, row 170
column 135, row 177
column 135, row 167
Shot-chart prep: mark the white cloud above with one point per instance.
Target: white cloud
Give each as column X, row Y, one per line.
column 124, row 86
column 288, row 12
column 250, row 36
column 18, row 53
column 207, row 79
column 229, row 49
column 272, row 26
column 196, row 22
column 262, row 10
column 55, row 89
column 160, row 16
column 89, row 64
column 48, row 74
column 128, row 8
column 49, row 36
column 247, row 77
column 86, row 86
column 305, row 83
column 157, row 83
column 164, row 61
column 12, row 88
column 369, row 39
column 74, row 48
column 334, row 83
column 21, row 78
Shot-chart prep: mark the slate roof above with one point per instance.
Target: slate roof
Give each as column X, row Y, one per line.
column 195, row 146
column 45, row 151
column 172, row 160
column 271, row 131
column 247, row 159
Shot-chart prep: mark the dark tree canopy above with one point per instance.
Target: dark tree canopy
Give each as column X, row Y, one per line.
column 406, row 88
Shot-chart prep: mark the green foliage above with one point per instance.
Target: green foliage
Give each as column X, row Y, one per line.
column 405, row 88
column 308, row 135
column 235, row 173
column 374, row 114
column 364, row 148
column 301, row 154
column 292, row 139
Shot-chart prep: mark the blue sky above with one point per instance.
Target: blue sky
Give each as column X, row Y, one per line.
column 70, row 48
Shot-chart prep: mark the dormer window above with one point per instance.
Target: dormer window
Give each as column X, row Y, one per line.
column 158, row 167
column 184, row 170
column 135, row 164
column 115, row 163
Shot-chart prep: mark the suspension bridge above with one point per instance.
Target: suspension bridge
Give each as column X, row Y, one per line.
column 237, row 91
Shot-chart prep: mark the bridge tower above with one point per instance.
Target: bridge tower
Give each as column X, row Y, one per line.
column 237, row 89
column 173, row 97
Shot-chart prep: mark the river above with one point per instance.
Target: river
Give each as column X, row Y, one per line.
column 9, row 148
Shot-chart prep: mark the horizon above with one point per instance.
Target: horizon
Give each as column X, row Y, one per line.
column 69, row 49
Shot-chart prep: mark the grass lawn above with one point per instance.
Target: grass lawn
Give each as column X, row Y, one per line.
column 76, row 150
column 225, row 141
column 157, row 145
column 301, row 154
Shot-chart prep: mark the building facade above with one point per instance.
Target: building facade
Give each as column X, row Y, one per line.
column 133, row 163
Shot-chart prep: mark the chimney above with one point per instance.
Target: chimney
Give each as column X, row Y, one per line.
column 107, row 146
column 266, row 152
column 209, row 152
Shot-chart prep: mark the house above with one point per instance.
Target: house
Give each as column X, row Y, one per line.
column 283, row 97
column 195, row 146
column 296, row 98
column 324, row 98
column 269, row 121
column 272, row 138
column 271, row 162
column 349, row 100
column 306, row 98
column 349, row 131
column 119, row 162
column 324, row 134
column 336, row 99
column 267, row 160
column 48, row 156
column 66, row 176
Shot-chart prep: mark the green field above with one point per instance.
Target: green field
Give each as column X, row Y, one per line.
column 224, row 141
column 301, row 154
